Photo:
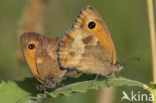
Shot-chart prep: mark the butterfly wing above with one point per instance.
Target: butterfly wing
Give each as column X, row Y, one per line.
column 82, row 50
column 89, row 19
column 47, row 61
column 88, row 46
column 29, row 42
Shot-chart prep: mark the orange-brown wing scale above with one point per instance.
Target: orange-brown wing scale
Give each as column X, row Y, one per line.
column 47, row 64
column 85, row 53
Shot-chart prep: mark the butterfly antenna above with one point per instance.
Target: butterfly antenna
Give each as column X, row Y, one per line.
column 130, row 58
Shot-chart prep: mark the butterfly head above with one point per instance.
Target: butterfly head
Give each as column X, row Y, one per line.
column 118, row 66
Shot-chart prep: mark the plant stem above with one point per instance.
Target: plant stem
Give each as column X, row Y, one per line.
column 106, row 95
column 31, row 21
column 152, row 36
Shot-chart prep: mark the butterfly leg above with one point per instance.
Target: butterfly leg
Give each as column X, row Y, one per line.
column 93, row 82
column 96, row 78
column 71, row 72
column 107, row 82
column 61, row 84
column 40, row 87
column 116, row 75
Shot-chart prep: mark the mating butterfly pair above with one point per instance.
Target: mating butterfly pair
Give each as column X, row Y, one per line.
column 87, row 47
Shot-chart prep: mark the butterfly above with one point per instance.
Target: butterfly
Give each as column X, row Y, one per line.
column 40, row 53
column 88, row 45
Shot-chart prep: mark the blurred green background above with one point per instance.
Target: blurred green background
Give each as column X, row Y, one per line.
column 126, row 19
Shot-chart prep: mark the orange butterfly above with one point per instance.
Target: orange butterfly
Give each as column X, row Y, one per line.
column 40, row 53
column 88, row 46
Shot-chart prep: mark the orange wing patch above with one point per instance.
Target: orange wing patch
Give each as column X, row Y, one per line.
column 30, row 54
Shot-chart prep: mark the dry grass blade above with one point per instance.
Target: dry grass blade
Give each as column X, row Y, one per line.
column 31, row 21
column 152, row 36
column 106, row 95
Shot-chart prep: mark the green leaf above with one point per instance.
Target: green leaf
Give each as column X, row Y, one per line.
column 84, row 86
column 17, row 91
column 25, row 91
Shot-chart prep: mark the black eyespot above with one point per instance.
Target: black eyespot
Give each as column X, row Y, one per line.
column 31, row 46
column 91, row 24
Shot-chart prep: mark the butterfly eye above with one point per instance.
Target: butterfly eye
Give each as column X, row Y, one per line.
column 91, row 24
column 31, row 46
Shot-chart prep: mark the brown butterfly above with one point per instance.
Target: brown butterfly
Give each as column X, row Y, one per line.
column 88, row 46
column 40, row 53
